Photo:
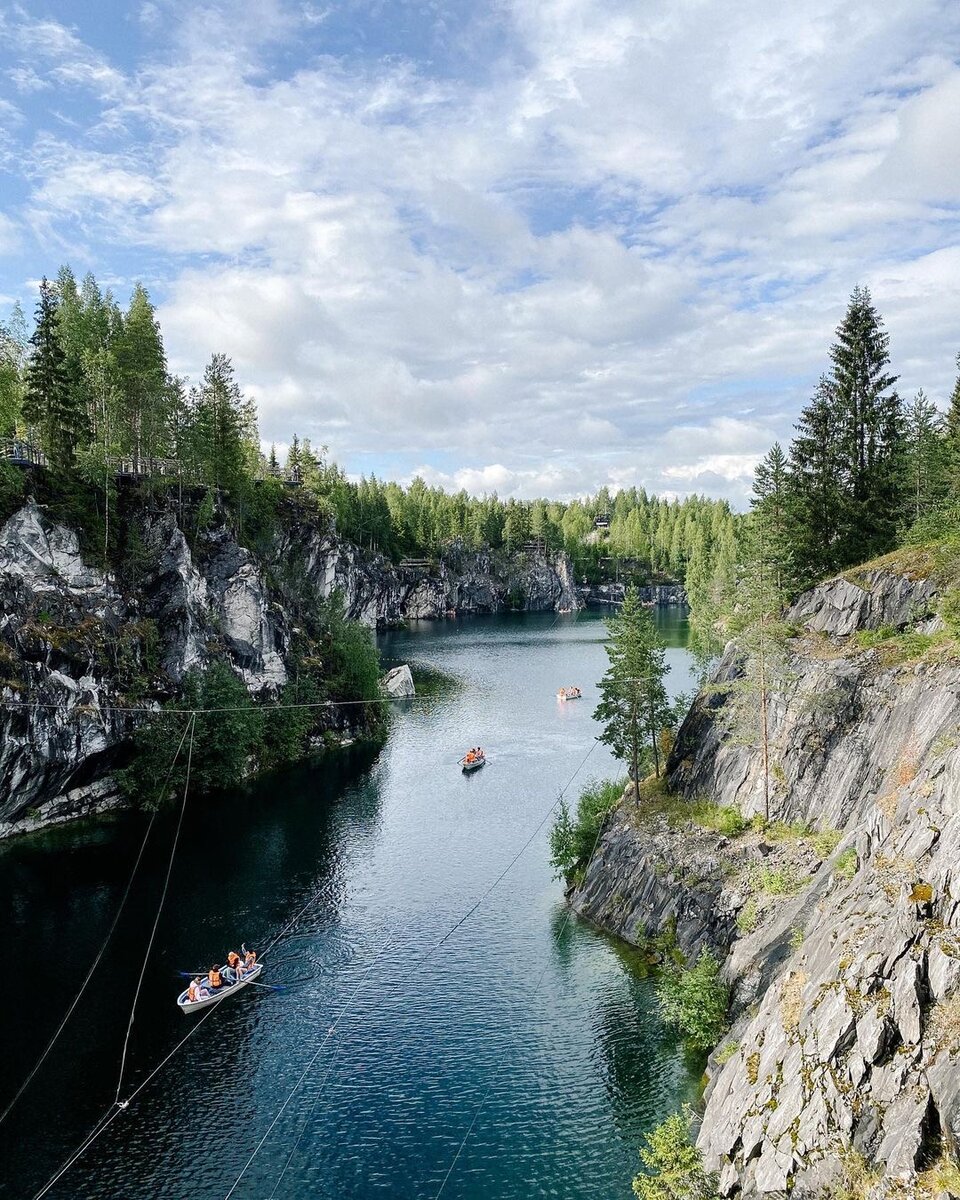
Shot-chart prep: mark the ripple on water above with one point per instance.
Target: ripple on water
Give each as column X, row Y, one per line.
column 543, row 1017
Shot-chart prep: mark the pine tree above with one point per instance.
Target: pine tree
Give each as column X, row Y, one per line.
column 952, row 448
column 757, row 625
column 815, row 497
column 219, row 426
column 926, row 456
column 142, row 368
column 871, row 441
column 49, row 405
column 634, row 708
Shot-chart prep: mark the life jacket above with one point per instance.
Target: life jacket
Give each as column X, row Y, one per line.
column 192, row 993
column 233, row 958
column 251, row 958
column 215, row 980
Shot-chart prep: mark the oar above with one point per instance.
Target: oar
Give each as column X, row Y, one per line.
column 273, row 987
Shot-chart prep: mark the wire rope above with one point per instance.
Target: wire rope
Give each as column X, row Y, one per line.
column 156, row 919
column 418, row 963
column 96, row 962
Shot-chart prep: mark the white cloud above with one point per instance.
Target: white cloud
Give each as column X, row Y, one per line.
column 618, row 254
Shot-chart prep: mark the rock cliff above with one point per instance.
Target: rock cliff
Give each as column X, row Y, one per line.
column 78, row 645
column 840, row 921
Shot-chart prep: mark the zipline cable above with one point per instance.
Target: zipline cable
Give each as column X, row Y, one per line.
column 491, row 1081
column 96, row 962
column 156, row 919
column 416, row 965
column 306, row 1123
column 116, row 1109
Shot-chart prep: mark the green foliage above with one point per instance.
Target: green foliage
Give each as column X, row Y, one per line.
column 12, row 490
column 777, row 881
column 725, row 819
column 225, row 743
column 674, row 1165
column 694, row 1000
column 634, row 708
column 847, row 863
column 352, row 664
column 748, row 918
column 572, row 840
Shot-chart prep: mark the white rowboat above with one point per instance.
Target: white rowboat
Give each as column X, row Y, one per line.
column 186, row 1005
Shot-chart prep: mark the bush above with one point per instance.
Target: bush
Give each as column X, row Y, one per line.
column 352, row 663
column 846, row 864
column 572, row 840
column 694, row 1000
column 723, row 819
column 674, row 1165
column 224, row 742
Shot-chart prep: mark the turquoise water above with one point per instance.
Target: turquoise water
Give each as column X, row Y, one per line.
column 544, row 1022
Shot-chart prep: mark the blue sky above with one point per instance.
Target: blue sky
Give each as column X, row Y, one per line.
column 530, row 245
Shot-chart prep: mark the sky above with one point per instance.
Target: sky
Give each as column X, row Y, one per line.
column 531, row 246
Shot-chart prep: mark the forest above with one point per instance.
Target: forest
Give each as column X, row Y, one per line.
column 87, row 392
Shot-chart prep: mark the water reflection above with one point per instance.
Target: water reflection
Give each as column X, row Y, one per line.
column 398, row 845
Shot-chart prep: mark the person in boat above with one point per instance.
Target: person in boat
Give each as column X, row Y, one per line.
column 214, row 978
column 249, row 960
column 231, row 972
column 469, row 756
column 196, row 991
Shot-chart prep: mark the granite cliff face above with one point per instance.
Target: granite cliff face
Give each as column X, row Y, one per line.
column 840, row 926
column 77, row 646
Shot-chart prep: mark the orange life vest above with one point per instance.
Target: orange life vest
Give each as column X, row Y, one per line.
column 251, row 958
column 215, row 980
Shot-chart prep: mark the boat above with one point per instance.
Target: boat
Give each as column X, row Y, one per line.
column 187, row 1005
column 475, row 763
column 569, row 693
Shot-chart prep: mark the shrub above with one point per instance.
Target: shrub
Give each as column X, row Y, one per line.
column 748, row 917
column 572, row 839
column 224, row 741
column 777, row 881
column 846, row 864
column 674, row 1165
column 724, row 819
column 694, row 1000
column 825, row 841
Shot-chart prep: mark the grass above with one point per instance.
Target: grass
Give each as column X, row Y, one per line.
column 777, row 881
column 725, row 819
column 748, row 918
column 846, row 865
column 726, row 1052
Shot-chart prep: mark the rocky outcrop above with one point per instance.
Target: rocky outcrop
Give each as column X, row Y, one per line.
column 656, row 594
column 840, row 925
column 463, row 582
column 398, row 683
column 81, row 654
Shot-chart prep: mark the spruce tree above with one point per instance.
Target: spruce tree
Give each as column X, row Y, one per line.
column 219, row 426
column 771, row 502
column 870, row 433
column 142, row 368
column 634, row 708
column 952, row 449
column 815, row 496
column 926, row 456
column 49, row 404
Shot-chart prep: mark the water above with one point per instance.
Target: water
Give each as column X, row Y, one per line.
column 547, row 1023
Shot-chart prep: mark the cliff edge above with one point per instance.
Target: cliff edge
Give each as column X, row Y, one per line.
column 840, row 919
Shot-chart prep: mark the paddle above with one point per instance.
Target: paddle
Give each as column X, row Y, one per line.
column 271, row 987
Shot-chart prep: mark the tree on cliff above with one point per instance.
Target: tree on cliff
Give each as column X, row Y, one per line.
column 50, row 405
column 634, row 708
column 757, row 625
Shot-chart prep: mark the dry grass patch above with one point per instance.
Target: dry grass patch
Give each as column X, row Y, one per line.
column 791, row 1000
column 944, row 1027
